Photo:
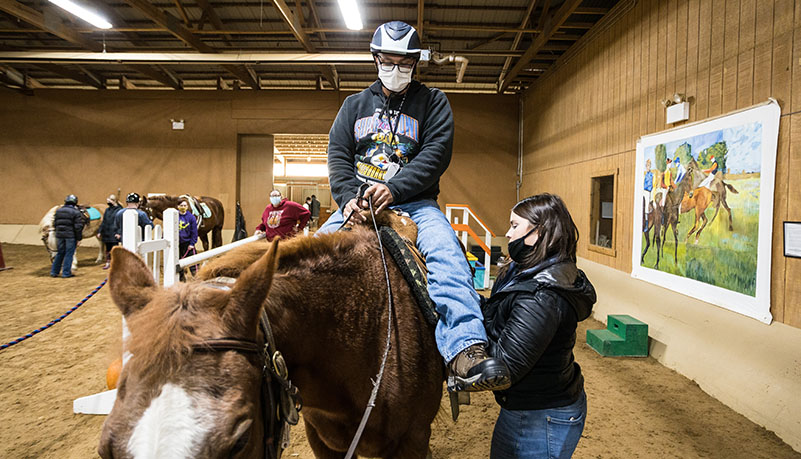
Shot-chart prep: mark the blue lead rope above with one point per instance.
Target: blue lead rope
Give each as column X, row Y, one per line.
column 55, row 321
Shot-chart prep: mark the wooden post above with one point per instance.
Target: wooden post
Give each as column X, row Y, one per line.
column 3, row 266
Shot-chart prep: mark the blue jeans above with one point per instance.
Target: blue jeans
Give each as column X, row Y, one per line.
column 551, row 433
column 66, row 250
column 450, row 284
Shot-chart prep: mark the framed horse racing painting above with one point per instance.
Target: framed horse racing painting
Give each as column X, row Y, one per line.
column 703, row 209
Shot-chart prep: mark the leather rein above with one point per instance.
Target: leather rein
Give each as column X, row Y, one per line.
column 281, row 401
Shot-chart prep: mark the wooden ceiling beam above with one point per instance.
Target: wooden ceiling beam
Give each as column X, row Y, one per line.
column 172, row 24
column 291, row 20
column 125, row 83
column 420, row 6
column 169, row 22
column 246, row 74
column 37, row 19
column 156, row 74
column 182, row 12
column 214, row 18
column 516, row 41
column 551, row 26
column 81, row 75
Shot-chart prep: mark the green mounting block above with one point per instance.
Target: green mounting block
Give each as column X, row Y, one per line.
column 624, row 336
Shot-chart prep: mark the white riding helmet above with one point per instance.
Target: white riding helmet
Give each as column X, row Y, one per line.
column 396, row 37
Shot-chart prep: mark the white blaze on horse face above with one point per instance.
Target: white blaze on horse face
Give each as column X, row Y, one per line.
column 173, row 426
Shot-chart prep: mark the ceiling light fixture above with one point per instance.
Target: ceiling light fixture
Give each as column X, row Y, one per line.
column 83, row 13
column 350, row 12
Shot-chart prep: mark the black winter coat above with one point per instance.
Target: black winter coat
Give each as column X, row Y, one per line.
column 68, row 222
column 531, row 320
column 108, row 228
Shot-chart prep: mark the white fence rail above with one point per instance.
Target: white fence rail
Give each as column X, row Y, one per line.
column 463, row 230
column 160, row 253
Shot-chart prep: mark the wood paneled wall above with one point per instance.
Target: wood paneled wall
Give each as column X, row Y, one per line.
column 93, row 142
column 586, row 116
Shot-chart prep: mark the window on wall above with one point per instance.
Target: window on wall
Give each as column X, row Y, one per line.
column 602, row 213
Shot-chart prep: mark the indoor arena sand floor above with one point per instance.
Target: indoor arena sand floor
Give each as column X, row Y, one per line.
column 637, row 407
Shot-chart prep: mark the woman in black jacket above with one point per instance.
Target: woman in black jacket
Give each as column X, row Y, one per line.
column 531, row 320
column 108, row 227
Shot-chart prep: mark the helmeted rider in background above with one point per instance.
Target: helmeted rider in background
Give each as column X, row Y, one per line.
column 131, row 202
column 397, row 137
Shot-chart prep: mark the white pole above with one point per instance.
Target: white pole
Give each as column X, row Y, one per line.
column 157, row 254
column 466, row 218
column 171, row 255
column 129, row 225
column 487, row 258
column 146, row 256
column 195, row 259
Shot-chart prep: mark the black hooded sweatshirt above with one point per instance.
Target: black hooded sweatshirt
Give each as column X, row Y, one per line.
column 531, row 320
column 404, row 141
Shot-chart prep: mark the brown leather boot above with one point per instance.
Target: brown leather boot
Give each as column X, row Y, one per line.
column 472, row 370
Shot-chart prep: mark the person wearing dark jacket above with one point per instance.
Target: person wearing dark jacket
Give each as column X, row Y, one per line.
column 107, row 227
column 531, row 318
column 131, row 202
column 68, row 223
column 397, row 138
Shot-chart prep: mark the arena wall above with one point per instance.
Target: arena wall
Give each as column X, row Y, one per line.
column 583, row 119
column 92, row 143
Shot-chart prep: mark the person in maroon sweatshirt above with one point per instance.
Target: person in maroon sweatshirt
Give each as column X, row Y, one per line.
column 282, row 217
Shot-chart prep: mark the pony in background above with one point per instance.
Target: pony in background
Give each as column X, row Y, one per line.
column 90, row 229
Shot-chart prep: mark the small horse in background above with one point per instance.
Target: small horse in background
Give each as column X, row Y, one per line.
column 326, row 300
column 90, row 229
column 156, row 205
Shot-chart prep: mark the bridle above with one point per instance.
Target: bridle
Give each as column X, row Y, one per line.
column 281, row 402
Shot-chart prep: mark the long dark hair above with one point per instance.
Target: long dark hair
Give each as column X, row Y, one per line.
column 558, row 235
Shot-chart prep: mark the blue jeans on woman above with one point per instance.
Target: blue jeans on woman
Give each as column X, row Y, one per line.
column 450, row 283
column 66, row 250
column 551, row 433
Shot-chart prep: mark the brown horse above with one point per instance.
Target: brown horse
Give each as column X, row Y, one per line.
column 703, row 197
column 327, row 302
column 156, row 205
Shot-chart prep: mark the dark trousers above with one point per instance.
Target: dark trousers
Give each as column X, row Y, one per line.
column 182, row 248
column 66, row 250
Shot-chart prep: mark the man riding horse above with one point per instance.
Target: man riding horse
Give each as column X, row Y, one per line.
column 397, row 137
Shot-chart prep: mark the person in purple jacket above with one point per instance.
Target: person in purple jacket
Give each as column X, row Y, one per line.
column 187, row 234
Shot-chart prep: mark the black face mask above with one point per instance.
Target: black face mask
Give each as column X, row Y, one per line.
column 518, row 249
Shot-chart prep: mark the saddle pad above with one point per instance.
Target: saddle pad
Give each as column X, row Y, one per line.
column 405, row 260
column 206, row 210
column 94, row 214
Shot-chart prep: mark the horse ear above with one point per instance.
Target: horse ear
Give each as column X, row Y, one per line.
column 251, row 289
column 132, row 285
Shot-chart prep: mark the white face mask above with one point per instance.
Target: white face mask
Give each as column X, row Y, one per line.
column 394, row 80
column 275, row 200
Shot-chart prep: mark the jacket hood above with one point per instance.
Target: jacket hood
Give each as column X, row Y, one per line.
column 561, row 276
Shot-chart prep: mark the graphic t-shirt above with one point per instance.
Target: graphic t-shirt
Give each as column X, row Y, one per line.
column 388, row 140
column 280, row 221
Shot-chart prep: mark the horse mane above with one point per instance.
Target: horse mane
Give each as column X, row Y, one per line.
column 322, row 252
